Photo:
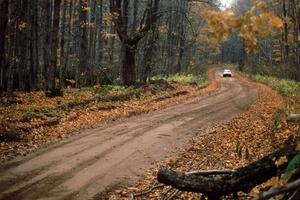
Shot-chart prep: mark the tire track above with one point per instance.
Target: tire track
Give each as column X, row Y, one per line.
column 84, row 165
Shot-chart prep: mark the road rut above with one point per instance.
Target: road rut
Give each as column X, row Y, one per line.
column 86, row 164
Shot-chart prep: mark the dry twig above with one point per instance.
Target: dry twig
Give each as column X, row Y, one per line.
column 154, row 186
column 279, row 190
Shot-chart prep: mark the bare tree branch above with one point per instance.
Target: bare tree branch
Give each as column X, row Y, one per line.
column 279, row 190
column 242, row 179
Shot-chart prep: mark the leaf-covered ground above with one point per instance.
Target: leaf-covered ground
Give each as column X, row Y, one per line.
column 30, row 120
column 245, row 138
column 288, row 89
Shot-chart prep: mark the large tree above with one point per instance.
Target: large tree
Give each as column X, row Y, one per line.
column 120, row 11
column 52, row 43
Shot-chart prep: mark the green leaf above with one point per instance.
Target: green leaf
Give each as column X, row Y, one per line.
column 293, row 165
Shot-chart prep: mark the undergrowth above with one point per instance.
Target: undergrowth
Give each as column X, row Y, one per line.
column 288, row 89
column 185, row 79
column 34, row 108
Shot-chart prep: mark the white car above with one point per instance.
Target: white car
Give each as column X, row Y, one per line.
column 227, row 73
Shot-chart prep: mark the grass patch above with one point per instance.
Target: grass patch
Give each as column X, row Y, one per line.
column 185, row 79
column 107, row 90
column 109, row 93
column 49, row 112
column 288, row 89
column 27, row 114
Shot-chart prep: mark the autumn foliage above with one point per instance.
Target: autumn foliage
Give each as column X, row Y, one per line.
column 30, row 120
column 258, row 22
column 233, row 144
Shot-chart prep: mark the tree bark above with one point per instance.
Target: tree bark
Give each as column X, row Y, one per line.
column 35, row 47
column 128, row 65
column 3, row 24
column 285, row 33
column 89, row 75
column 242, row 179
column 12, row 42
column 22, row 46
column 181, row 50
column 129, row 43
column 294, row 118
column 62, row 46
column 83, row 55
column 69, row 49
column 99, row 22
column 149, row 50
column 46, row 53
column 54, row 47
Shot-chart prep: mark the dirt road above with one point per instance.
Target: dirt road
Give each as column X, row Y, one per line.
column 84, row 165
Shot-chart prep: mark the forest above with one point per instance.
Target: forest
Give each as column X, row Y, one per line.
column 127, row 99
column 48, row 45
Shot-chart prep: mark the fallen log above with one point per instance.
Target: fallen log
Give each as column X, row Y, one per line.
column 211, row 172
column 241, row 179
column 294, row 118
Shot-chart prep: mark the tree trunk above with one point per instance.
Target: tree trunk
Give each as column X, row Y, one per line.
column 3, row 24
column 22, row 46
column 83, row 55
column 286, row 44
column 242, row 179
column 129, row 43
column 62, row 46
column 46, row 53
column 89, row 77
column 181, row 50
column 54, row 47
column 135, row 12
column 67, row 62
column 111, row 44
column 99, row 21
column 34, row 62
column 11, row 71
column 36, row 46
column 128, row 65
column 149, row 50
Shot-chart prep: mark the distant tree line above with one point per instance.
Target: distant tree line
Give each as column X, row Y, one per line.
column 277, row 55
column 50, row 44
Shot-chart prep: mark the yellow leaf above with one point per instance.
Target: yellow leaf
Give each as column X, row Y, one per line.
column 263, row 6
column 290, row 38
column 275, row 22
column 298, row 145
column 22, row 25
column 86, row 9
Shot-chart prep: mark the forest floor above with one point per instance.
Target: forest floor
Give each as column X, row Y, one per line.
column 119, row 152
column 29, row 121
column 106, row 158
column 246, row 138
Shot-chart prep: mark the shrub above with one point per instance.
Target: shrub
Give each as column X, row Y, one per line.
column 289, row 90
column 184, row 78
column 49, row 112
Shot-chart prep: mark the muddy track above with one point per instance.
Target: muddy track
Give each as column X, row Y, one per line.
column 84, row 165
